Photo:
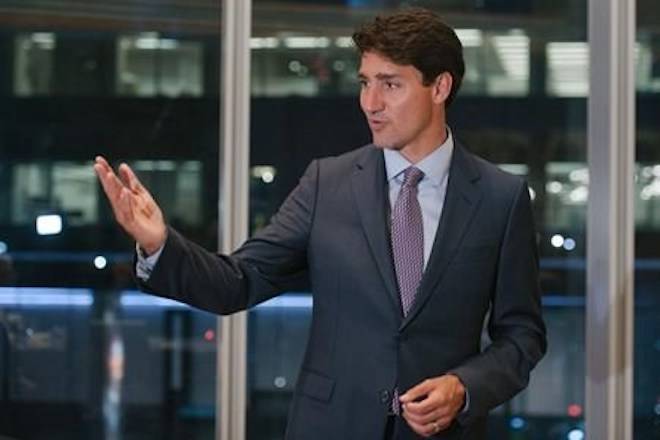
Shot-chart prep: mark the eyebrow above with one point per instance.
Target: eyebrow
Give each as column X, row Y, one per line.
column 381, row 76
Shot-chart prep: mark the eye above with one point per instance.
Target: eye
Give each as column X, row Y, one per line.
column 391, row 85
column 363, row 83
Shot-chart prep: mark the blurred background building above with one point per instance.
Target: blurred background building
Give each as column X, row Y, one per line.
column 83, row 355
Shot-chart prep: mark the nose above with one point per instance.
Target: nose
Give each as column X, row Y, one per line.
column 371, row 100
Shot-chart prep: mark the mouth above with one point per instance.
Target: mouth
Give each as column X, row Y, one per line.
column 376, row 124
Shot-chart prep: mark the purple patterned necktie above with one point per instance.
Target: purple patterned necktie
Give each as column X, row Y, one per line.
column 407, row 245
column 408, row 238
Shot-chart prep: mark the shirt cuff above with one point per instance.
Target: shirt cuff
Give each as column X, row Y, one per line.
column 145, row 264
column 466, row 406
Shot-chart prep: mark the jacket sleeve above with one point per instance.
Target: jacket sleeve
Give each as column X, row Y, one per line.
column 515, row 325
column 272, row 262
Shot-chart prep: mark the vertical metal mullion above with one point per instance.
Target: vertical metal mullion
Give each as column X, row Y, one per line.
column 610, row 223
column 233, row 210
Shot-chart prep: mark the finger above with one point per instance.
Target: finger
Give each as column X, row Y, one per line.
column 427, row 418
column 420, row 417
column 109, row 181
column 125, row 214
column 417, row 392
column 130, row 178
column 100, row 160
column 425, row 430
column 431, row 403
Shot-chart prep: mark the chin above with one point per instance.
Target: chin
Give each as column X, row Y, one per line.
column 383, row 144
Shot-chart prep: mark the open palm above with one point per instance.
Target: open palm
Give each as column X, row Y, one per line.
column 134, row 207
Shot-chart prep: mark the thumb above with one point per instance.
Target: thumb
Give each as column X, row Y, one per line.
column 414, row 393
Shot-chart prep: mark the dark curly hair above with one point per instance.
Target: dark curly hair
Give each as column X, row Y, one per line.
column 417, row 37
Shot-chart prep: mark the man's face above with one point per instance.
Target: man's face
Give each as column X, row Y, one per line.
column 400, row 110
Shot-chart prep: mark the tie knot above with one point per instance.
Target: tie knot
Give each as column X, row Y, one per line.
column 412, row 176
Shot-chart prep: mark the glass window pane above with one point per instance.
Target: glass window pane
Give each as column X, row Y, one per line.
column 646, row 392
column 83, row 354
column 522, row 105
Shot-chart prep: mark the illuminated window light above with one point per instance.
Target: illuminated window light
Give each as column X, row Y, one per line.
column 574, row 410
column 29, row 296
column 306, row 42
column 344, row 42
column 557, row 240
column 470, row 37
column 133, row 298
column 554, row 187
column 569, row 244
column 288, row 302
column 100, row 262
column 264, row 43
column 513, row 51
column 517, row 423
column 575, row 434
column 568, row 68
column 49, row 224
column 143, row 300
column 266, row 173
column 3, row 247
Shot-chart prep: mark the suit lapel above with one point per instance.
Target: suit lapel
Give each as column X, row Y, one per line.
column 370, row 188
column 461, row 201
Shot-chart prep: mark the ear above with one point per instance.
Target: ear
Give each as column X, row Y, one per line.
column 442, row 87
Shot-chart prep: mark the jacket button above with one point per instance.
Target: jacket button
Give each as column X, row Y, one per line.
column 385, row 396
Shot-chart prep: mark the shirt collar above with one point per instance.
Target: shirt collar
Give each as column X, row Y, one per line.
column 435, row 166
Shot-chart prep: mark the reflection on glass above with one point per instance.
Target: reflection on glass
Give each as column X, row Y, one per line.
column 151, row 65
column 33, row 65
column 75, row 354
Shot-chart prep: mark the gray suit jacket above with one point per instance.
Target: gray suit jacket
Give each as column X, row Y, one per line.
column 331, row 236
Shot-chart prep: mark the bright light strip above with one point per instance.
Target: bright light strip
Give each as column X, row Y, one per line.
column 147, row 43
column 138, row 299
column 49, row 224
column 470, row 37
column 144, row 300
column 345, row 42
column 288, row 302
column 150, row 43
column 3, row 247
column 568, row 65
column 513, row 51
column 264, row 43
column 519, row 169
column 306, row 42
column 154, row 165
column 168, row 44
column 44, row 296
column 46, row 39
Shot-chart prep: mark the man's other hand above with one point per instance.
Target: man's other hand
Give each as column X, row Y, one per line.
column 432, row 405
column 133, row 206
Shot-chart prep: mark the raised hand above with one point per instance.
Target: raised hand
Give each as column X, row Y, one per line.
column 133, row 206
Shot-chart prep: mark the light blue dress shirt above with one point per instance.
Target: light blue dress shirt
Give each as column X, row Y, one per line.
column 431, row 190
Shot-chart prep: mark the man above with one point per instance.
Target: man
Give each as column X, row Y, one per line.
column 407, row 245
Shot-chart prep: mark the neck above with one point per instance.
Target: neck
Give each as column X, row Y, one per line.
column 418, row 150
